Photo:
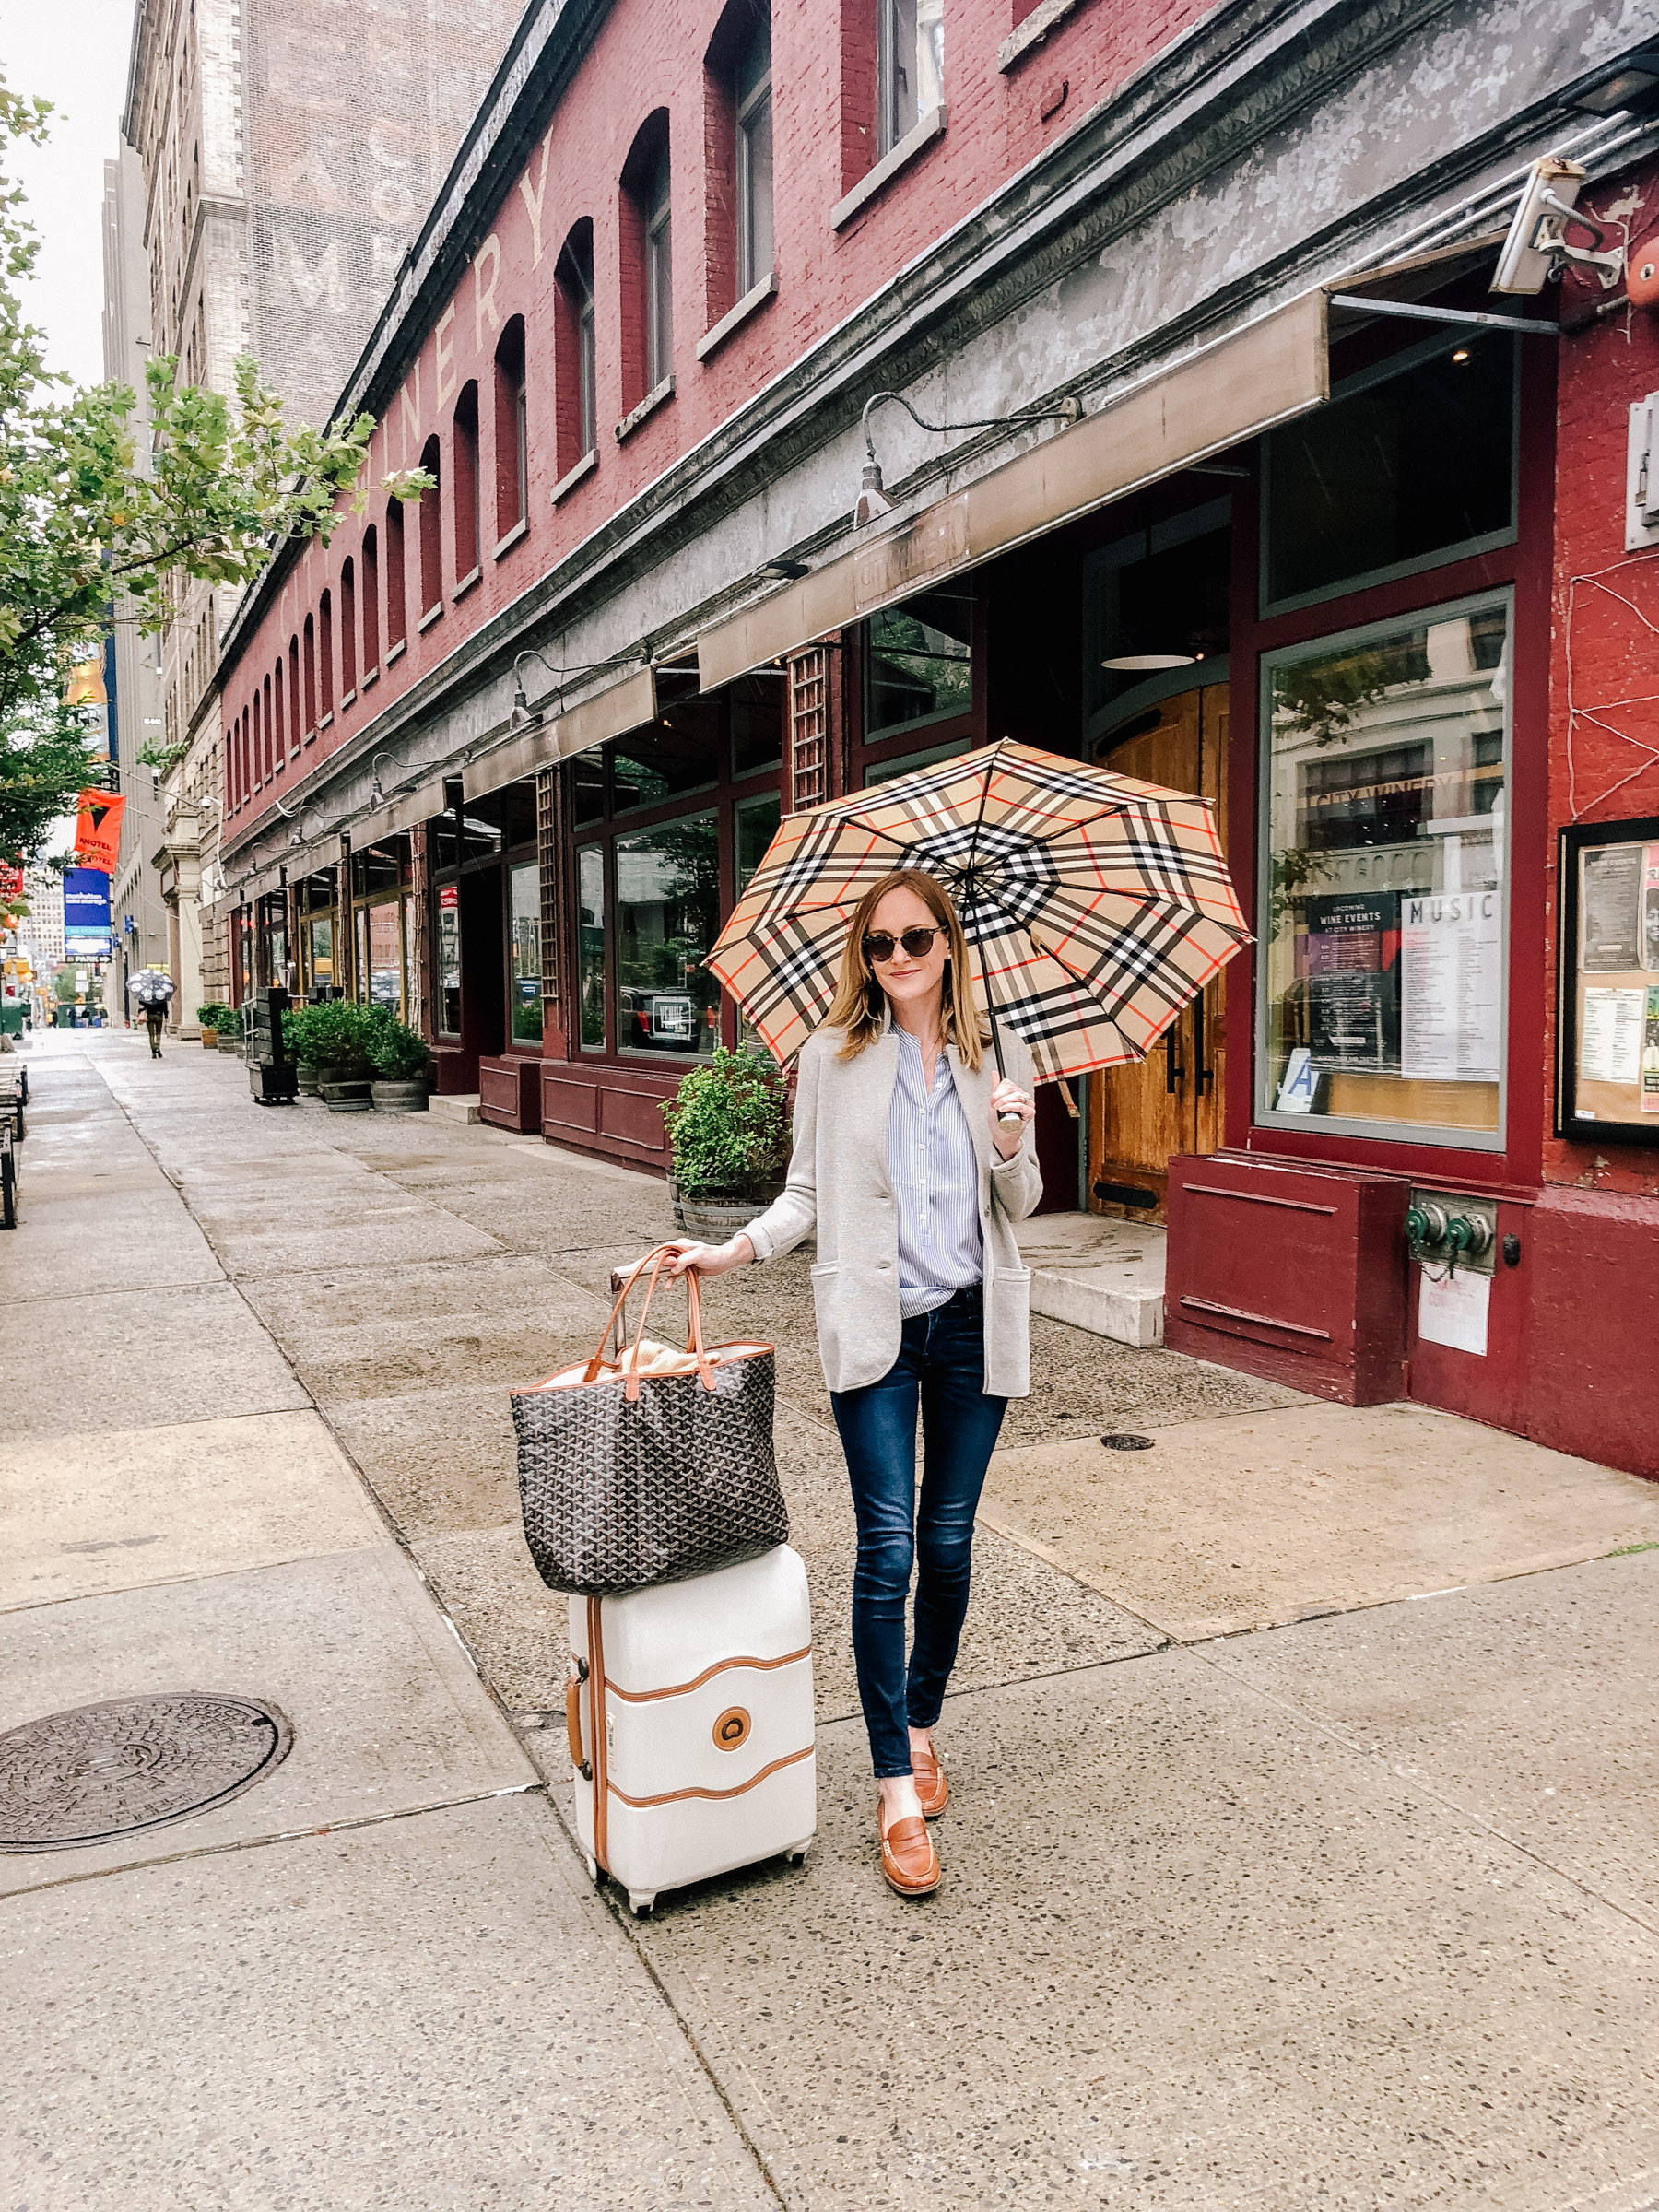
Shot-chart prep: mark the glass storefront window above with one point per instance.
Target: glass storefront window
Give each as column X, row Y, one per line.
column 411, row 967
column 590, row 944
column 320, row 930
column 380, row 954
column 524, row 888
column 662, row 764
column 883, row 772
column 446, row 962
column 667, row 917
column 1383, row 921
column 758, row 821
column 757, row 707
column 587, row 787
column 919, row 665
column 1411, row 463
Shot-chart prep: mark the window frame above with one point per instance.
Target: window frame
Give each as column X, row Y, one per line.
column 747, row 110
column 656, row 208
column 1437, row 1135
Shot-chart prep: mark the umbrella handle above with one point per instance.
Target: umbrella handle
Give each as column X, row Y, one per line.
column 1004, row 1121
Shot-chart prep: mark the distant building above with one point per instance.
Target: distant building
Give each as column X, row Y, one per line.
column 287, row 155
column 139, row 917
column 41, row 934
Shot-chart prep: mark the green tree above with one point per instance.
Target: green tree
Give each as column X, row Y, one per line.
column 103, row 516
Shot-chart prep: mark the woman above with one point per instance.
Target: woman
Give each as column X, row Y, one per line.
column 913, row 1160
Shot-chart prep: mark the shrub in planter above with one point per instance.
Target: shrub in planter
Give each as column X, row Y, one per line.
column 728, row 1127
column 337, row 1035
column 399, row 1056
column 208, row 1017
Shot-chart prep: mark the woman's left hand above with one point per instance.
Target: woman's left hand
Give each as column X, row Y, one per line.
column 1007, row 1098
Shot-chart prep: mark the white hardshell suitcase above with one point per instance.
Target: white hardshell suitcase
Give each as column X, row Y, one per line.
column 690, row 1720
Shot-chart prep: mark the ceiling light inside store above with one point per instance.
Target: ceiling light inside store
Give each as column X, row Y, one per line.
column 1143, row 663
column 1462, row 354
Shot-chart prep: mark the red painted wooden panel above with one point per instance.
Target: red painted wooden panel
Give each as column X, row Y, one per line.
column 510, row 1092
column 1290, row 1271
column 567, row 1102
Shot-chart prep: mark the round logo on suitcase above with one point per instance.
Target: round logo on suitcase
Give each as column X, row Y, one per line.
column 732, row 1728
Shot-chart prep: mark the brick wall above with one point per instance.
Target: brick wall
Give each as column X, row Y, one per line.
column 1605, row 651
column 645, row 58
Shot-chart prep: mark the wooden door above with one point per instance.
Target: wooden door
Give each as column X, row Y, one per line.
column 1171, row 1102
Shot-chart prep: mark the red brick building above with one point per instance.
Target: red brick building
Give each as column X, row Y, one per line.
column 506, row 757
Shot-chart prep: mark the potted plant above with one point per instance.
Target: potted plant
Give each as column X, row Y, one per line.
column 399, row 1056
column 296, row 1041
column 208, row 1016
column 229, row 1027
column 728, row 1127
column 336, row 1034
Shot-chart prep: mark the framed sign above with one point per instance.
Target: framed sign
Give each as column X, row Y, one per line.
column 1607, row 1033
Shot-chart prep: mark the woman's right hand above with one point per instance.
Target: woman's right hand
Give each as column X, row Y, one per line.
column 709, row 1259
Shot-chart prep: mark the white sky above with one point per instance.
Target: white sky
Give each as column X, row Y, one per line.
column 73, row 53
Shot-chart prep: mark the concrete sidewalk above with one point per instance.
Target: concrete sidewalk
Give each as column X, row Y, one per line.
column 1347, row 1911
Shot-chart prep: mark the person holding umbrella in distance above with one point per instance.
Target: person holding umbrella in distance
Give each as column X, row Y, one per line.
column 913, row 1158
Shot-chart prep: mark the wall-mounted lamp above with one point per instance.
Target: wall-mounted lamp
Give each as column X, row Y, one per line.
column 784, row 571
column 873, row 502
column 377, row 797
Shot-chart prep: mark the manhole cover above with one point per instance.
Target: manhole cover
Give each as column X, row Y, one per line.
column 100, row 1771
column 1121, row 1439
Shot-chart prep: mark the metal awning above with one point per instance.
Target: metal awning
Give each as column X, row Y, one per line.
column 1239, row 385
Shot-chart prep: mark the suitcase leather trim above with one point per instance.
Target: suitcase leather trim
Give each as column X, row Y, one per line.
column 679, row 1689
column 596, row 1684
column 792, row 1758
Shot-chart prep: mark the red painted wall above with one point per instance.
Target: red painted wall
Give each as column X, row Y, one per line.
column 1605, row 625
column 648, row 57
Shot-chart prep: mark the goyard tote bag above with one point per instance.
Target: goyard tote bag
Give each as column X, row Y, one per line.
column 651, row 1465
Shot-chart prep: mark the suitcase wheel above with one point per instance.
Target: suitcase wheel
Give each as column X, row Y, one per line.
column 641, row 1902
column 798, row 1853
column 593, row 1866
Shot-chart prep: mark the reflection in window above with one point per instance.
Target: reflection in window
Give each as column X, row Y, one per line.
column 1407, row 466
column 909, row 66
column 524, row 885
column 757, row 710
column 411, row 967
column 321, row 950
column 379, row 956
column 755, row 161
column 446, row 961
column 587, row 787
column 1384, row 972
column 756, row 823
column 667, row 917
column 590, row 944
column 920, row 663
column 664, row 763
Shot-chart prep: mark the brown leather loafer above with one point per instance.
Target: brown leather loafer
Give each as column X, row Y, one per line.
column 931, row 1786
column 908, row 1857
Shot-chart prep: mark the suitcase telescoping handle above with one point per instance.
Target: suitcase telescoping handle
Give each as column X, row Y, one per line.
column 656, row 1261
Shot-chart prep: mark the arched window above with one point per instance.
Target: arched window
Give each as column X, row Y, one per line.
column 370, row 602
column 647, row 249
column 574, row 349
column 298, row 723
column 432, row 534
column 257, row 743
column 348, row 630
column 464, row 474
column 280, row 724
column 396, row 576
column 511, row 431
column 325, row 652
column 272, row 743
column 247, row 758
column 311, row 678
column 738, row 141
column 229, row 771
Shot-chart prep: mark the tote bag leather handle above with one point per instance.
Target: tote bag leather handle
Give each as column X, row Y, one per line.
column 655, row 1260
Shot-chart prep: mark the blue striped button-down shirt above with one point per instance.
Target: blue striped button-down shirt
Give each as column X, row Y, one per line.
column 936, row 1182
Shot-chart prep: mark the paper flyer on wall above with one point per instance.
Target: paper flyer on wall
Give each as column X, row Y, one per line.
column 1350, row 954
column 1451, row 985
column 1649, row 1054
column 1610, row 1036
column 1453, row 1309
column 1610, row 908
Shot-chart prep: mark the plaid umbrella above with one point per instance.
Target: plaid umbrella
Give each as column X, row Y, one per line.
column 1097, row 906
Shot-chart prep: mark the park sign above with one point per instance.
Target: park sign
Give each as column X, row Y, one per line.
column 86, row 915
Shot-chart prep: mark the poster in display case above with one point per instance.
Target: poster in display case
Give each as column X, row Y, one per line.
column 1608, row 1030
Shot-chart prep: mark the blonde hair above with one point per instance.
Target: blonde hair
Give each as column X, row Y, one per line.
column 860, row 1002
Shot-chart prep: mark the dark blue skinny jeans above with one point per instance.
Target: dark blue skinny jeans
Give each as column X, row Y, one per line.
column 941, row 1369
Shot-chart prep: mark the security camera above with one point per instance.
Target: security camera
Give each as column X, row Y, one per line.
column 1536, row 247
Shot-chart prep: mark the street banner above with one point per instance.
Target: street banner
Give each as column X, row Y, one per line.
column 98, row 831
column 85, row 687
column 86, row 913
column 11, row 883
